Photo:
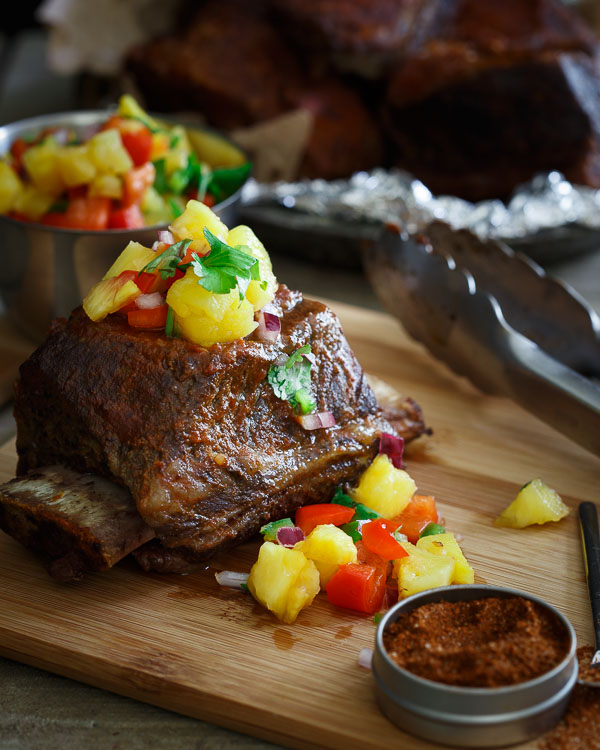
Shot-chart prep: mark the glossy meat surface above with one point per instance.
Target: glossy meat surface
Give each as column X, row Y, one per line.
column 207, row 450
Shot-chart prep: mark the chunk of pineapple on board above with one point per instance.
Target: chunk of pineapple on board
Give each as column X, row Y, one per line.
column 446, row 544
column 421, row 570
column 328, row 547
column 535, row 503
column 384, row 488
column 283, row 580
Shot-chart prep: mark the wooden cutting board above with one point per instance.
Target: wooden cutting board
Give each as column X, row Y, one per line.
column 186, row 644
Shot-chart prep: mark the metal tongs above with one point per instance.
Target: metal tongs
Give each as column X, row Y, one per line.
column 495, row 316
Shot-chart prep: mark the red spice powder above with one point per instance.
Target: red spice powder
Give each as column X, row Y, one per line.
column 487, row 642
column 579, row 729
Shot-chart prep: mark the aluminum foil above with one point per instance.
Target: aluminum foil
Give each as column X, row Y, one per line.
column 548, row 203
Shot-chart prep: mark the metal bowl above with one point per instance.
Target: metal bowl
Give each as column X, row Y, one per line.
column 46, row 271
column 471, row 717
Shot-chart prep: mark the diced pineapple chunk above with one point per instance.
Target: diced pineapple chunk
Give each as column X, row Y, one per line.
column 10, row 187
column 446, row 544
column 243, row 235
column 207, row 318
column 107, row 152
column 155, row 208
column 384, row 488
column 177, row 156
column 421, row 570
column 536, row 503
column 283, row 580
column 108, row 296
column 160, row 145
column 328, row 547
column 128, row 107
column 33, row 203
column 41, row 164
column 106, row 186
column 133, row 258
column 193, row 220
column 214, row 149
column 75, row 165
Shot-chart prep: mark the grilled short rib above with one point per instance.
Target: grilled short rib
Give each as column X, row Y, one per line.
column 75, row 522
column 206, row 448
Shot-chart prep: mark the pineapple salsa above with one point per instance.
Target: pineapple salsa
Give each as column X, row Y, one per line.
column 126, row 173
column 377, row 544
column 200, row 281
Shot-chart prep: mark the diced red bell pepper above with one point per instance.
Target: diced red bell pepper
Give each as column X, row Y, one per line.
column 147, row 282
column 357, row 586
column 310, row 516
column 114, row 121
column 17, row 149
column 414, row 518
column 77, row 191
column 136, row 182
column 82, row 213
column 209, row 200
column 377, row 537
column 138, row 143
column 154, row 317
column 135, row 136
column 126, row 217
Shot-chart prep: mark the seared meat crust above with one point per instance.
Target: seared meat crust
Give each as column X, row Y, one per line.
column 197, row 435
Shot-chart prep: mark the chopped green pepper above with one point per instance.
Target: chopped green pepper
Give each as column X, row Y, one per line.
column 269, row 530
column 431, row 529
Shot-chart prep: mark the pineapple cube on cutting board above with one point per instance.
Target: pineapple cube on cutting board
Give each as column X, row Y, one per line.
column 384, row 488
column 328, row 547
column 283, row 580
column 535, row 503
column 446, row 544
column 421, row 570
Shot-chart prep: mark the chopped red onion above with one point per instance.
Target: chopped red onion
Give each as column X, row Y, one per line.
column 149, row 301
column 365, row 658
column 288, row 536
column 89, row 130
column 271, row 308
column 231, row 579
column 310, row 357
column 62, row 136
column 269, row 326
column 393, row 447
column 316, row 420
column 166, row 236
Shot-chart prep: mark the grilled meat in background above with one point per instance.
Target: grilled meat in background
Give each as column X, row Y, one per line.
column 198, row 437
column 472, row 96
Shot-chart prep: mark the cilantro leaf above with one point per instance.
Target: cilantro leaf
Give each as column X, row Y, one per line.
column 226, row 180
column 291, row 380
column 220, row 270
column 166, row 263
column 161, row 184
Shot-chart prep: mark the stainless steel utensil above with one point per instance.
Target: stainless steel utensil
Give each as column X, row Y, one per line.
column 496, row 319
column 590, row 533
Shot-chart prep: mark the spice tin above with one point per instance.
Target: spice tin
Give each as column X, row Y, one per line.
column 466, row 716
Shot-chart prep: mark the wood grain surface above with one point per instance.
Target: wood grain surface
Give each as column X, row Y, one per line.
column 186, row 644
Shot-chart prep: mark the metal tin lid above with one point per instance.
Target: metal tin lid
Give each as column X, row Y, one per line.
column 467, row 716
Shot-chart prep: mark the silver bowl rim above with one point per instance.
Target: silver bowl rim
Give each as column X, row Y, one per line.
column 12, row 130
column 487, row 591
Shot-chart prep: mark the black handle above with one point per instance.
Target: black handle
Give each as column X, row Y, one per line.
column 590, row 532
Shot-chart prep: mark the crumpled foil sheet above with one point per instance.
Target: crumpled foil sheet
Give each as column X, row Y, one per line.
column 548, row 202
